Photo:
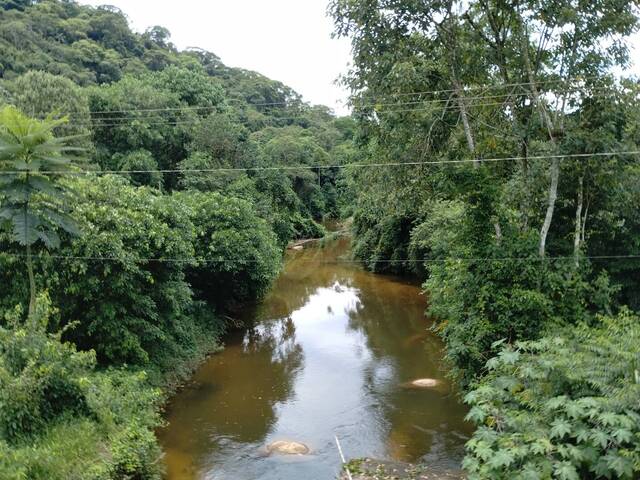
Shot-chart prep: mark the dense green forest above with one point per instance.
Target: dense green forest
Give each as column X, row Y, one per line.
column 514, row 194
column 141, row 208
column 147, row 193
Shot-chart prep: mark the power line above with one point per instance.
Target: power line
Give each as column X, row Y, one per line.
column 605, row 89
column 455, row 106
column 123, row 121
column 314, row 261
column 495, row 86
column 575, row 156
column 602, row 90
column 145, row 120
column 373, row 103
column 482, row 259
column 157, row 120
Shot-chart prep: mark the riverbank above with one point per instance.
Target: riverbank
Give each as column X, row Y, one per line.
column 371, row 469
column 334, row 230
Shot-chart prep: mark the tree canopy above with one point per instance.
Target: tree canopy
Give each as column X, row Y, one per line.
column 510, row 142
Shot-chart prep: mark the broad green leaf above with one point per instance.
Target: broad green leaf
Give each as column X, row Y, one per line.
column 556, row 402
column 565, row 471
column 531, row 472
column 619, row 464
column 559, row 428
column 483, row 451
column 63, row 221
column 509, row 357
column 501, row 458
column 50, row 238
column 600, row 438
column 43, row 185
column 476, row 414
column 622, row 435
column 25, row 228
column 542, row 446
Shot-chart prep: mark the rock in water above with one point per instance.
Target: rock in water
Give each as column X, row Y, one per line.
column 425, row 382
column 288, row 448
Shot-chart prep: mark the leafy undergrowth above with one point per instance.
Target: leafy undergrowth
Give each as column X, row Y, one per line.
column 565, row 407
column 61, row 419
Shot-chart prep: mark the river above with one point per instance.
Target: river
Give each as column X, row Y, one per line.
column 329, row 352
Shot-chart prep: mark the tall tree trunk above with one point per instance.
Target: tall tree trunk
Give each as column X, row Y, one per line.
column 32, row 284
column 450, row 38
column 554, row 169
column 584, row 222
column 32, row 281
column 496, row 226
column 578, row 222
column 526, row 188
column 465, row 118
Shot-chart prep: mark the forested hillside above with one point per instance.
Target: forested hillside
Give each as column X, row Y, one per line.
column 146, row 194
column 512, row 188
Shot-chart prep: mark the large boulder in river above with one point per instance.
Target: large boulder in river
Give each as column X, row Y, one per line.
column 425, row 383
column 287, row 448
column 432, row 384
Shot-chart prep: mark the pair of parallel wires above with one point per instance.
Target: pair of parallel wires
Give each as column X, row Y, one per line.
column 377, row 107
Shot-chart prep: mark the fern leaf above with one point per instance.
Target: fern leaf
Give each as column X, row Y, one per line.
column 25, row 228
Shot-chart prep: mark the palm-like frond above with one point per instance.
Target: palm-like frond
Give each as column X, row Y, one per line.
column 50, row 238
column 42, row 184
column 62, row 220
column 26, row 228
column 30, row 190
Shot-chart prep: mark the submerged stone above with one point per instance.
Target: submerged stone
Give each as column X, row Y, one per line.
column 425, row 383
column 287, row 448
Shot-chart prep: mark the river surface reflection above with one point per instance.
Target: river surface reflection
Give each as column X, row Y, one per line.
column 328, row 352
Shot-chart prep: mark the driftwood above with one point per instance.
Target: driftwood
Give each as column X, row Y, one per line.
column 299, row 244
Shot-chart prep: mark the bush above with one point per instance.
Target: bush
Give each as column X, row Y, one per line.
column 382, row 242
column 39, row 93
column 40, row 378
column 237, row 251
column 130, row 280
column 60, row 419
column 146, row 301
column 128, row 307
column 483, row 290
column 139, row 161
column 135, row 453
column 565, row 407
column 305, row 227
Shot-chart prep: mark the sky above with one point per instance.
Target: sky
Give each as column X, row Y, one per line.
column 286, row 40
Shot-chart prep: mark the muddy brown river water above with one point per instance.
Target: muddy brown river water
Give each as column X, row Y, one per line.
column 330, row 352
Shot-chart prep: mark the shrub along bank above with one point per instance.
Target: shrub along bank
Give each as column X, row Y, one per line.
column 139, row 296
